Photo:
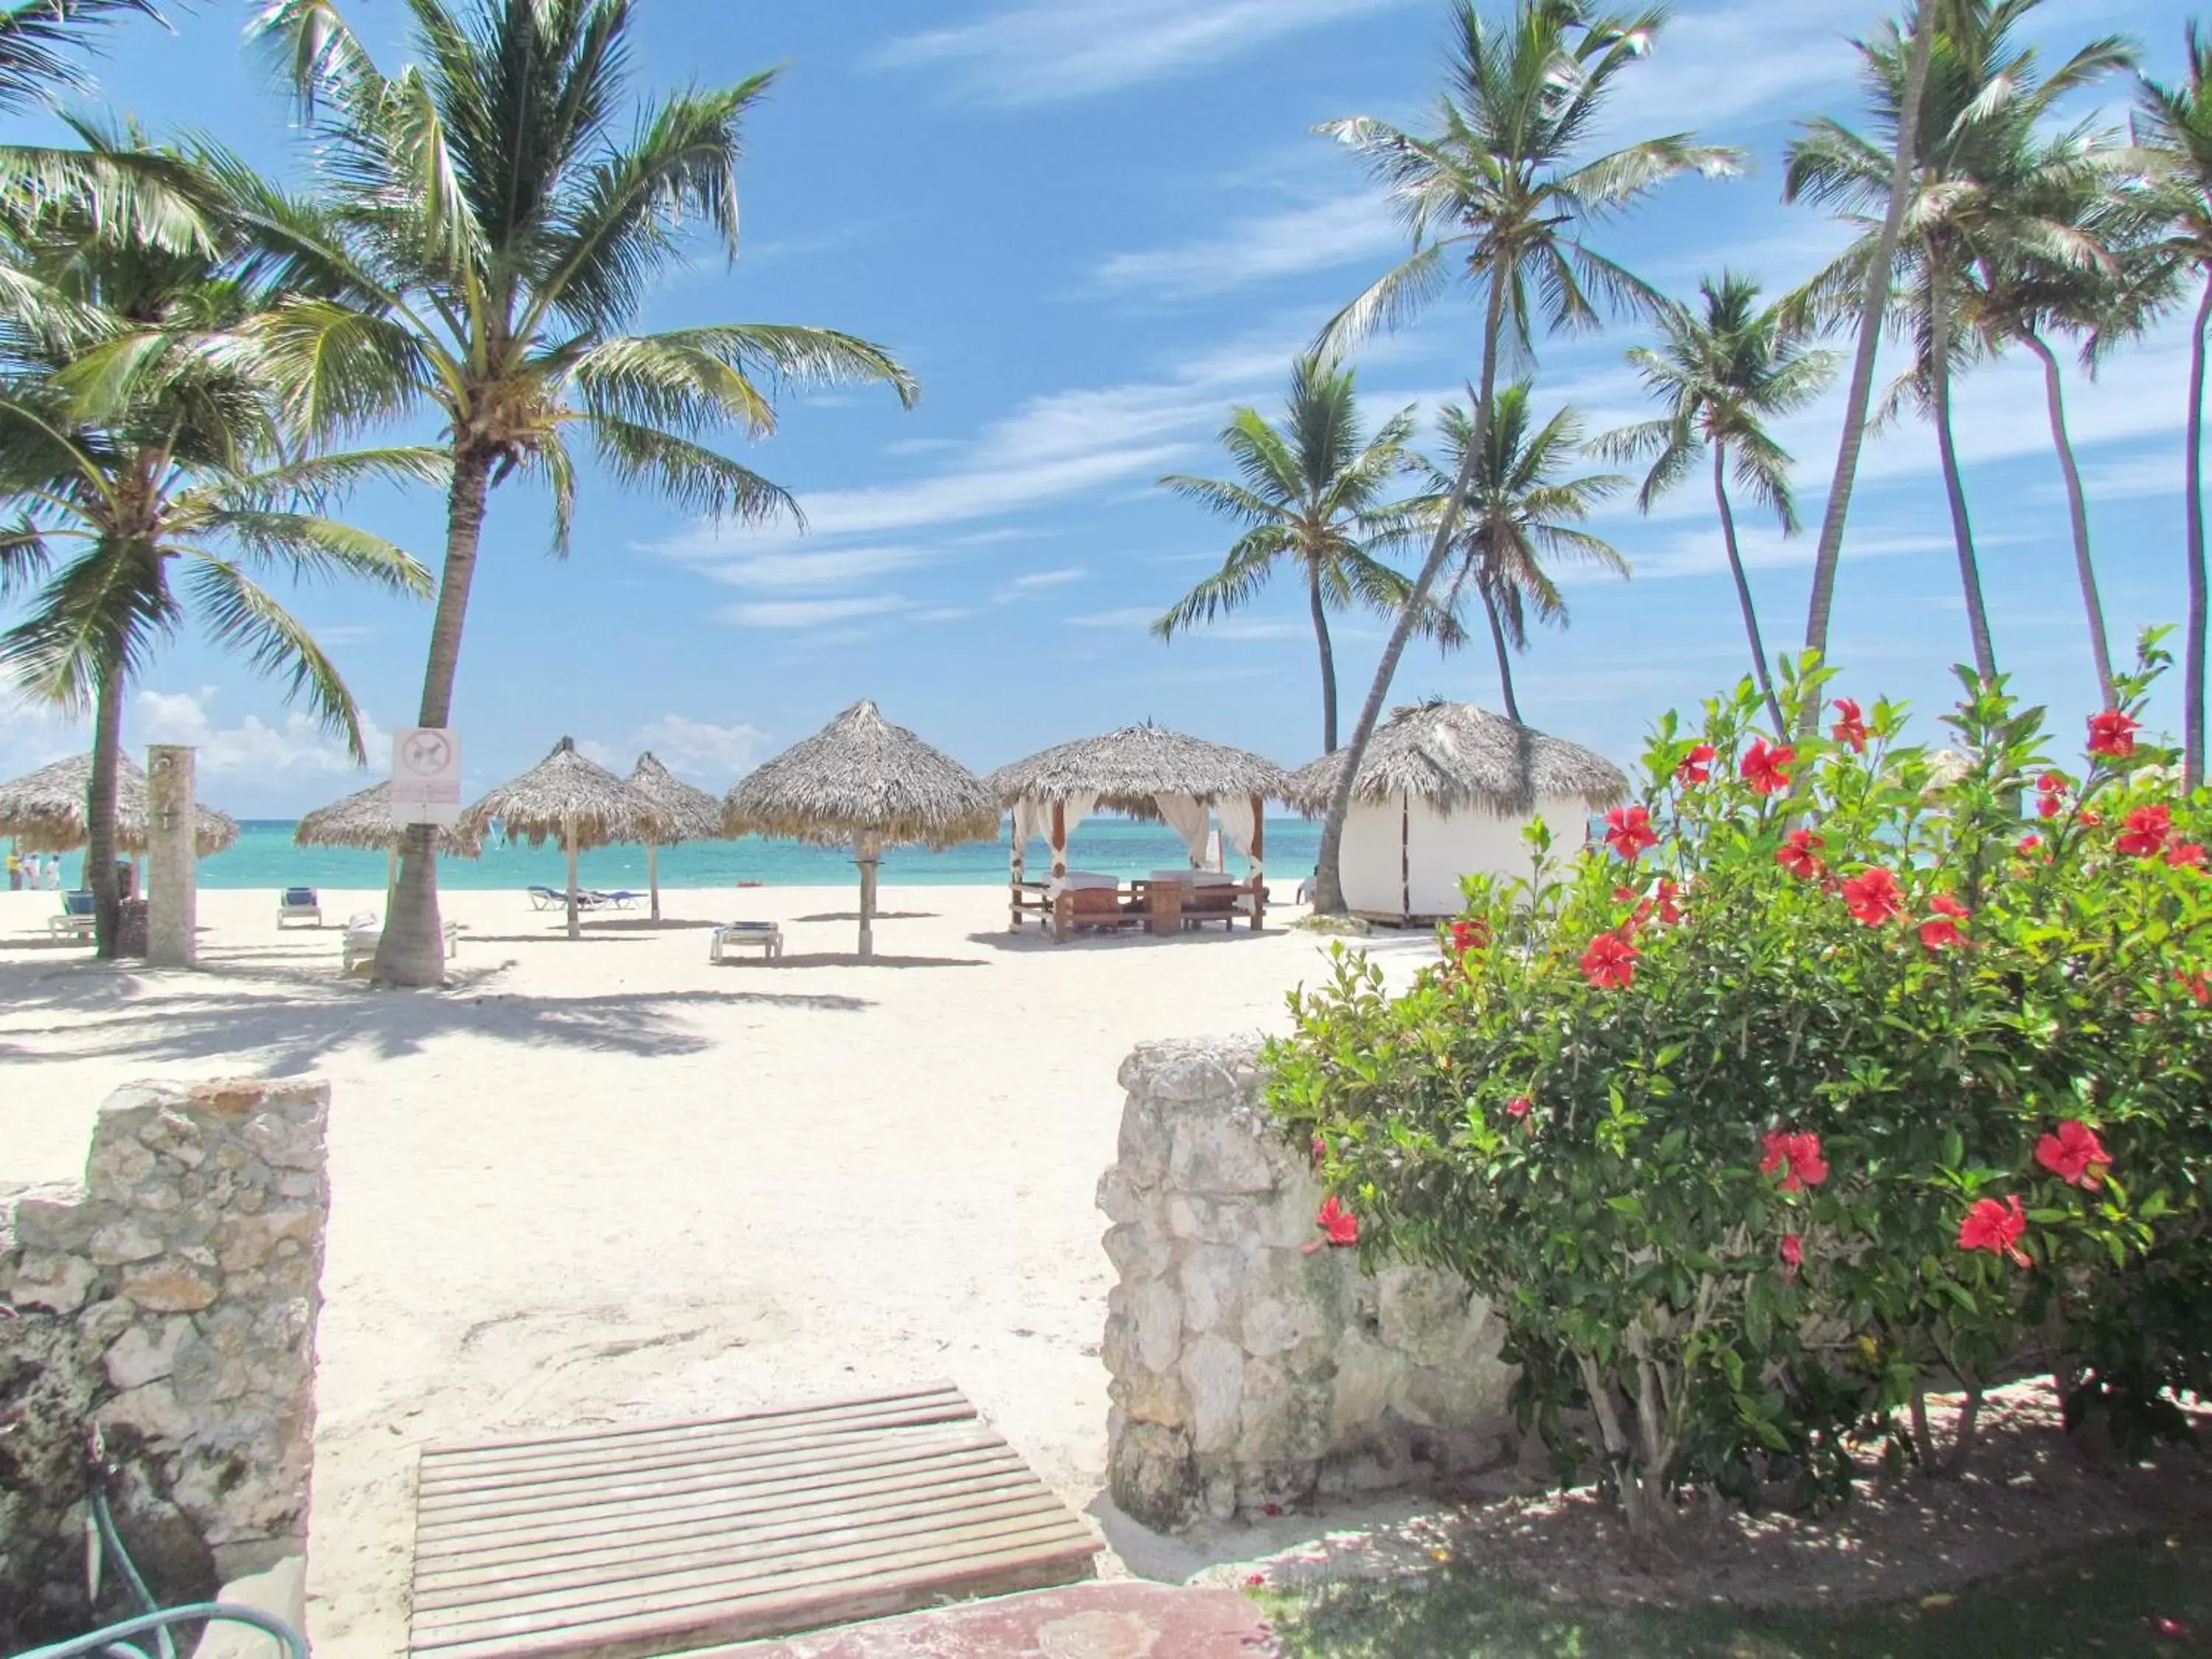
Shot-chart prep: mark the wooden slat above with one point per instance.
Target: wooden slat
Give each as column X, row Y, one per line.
column 650, row 1539
column 685, row 1424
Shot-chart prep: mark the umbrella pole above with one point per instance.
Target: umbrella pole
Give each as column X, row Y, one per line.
column 568, row 840
column 653, row 876
column 866, row 852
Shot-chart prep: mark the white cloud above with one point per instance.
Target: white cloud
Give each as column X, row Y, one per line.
column 1128, row 617
column 811, row 613
column 833, row 567
column 33, row 734
column 1710, row 66
column 252, row 748
column 706, row 754
column 1256, row 249
column 1037, row 582
column 1050, row 50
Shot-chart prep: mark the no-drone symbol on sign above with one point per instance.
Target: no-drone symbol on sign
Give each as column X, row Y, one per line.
column 426, row 774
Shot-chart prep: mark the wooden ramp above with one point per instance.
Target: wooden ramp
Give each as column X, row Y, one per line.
column 658, row 1537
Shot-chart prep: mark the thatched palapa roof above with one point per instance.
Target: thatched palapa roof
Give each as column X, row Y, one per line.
column 861, row 776
column 1456, row 757
column 691, row 813
column 565, row 795
column 43, row 812
column 1130, row 769
column 364, row 819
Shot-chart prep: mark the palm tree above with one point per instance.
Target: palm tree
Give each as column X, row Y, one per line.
column 1722, row 376
column 140, row 441
column 1311, row 495
column 38, row 37
column 2173, row 134
column 494, row 221
column 1975, row 187
column 2010, row 298
column 1518, row 512
column 1497, row 193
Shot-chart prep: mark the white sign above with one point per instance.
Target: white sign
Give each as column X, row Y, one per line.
column 426, row 774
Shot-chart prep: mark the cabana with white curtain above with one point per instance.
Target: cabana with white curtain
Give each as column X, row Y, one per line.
column 1150, row 772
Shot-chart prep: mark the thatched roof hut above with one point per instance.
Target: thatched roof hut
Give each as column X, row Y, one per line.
column 570, row 799
column 1445, row 792
column 364, row 819
column 1457, row 757
column 1146, row 772
column 43, row 812
column 863, row 781
column 690, row 814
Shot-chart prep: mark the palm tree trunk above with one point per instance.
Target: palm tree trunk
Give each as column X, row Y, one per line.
column 100, row 813
column 1954, row 487
column 1871, row 308
column 2192, row 667
column 1327, row 661
column 1504, row 657
column 1743, row 586
column 1328, row 890
column 412, row 950
column 2078, row 508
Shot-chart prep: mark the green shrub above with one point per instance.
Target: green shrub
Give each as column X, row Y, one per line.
column 1752, row 1119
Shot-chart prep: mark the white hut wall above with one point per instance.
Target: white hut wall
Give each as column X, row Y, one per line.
column 1403, row 861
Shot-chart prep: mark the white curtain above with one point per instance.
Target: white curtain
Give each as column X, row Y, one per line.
column 1237, row 826
column 1186, row 816
column 1074, row 810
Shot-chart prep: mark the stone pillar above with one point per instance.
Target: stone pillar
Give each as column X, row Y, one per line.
column 1250, row 1364
column 172, row 833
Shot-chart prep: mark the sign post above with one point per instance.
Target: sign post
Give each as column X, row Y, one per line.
column 426, row 775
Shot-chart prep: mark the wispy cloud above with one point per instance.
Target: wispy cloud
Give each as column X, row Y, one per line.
column 1130, row 618
column 1259, row 249
column 813, row 613
column 836, row 567
column 1051, row 50
column 1037, row 582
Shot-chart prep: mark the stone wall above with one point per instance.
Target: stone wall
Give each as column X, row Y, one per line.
column 169, row 1304
column 1247, row 1369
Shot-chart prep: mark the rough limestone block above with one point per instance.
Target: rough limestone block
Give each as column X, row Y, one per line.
column 1212, row 1369
column 146, row 1353
column 1213, row 1278
column 1156, row 1322
column 1218, row 1155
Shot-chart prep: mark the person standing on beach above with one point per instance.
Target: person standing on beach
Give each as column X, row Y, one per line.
column 54, row 872
column 15, row 872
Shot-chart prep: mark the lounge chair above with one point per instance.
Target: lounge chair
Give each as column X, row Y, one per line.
column 299, row 904
column 734, row 936
column 1082, row 899
column 1213, row 896
column 621, row 899
column 79, row 916
column 365, row 931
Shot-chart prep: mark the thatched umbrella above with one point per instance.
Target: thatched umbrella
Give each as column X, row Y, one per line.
column 1456, row 757
column 364, row 819
column 1146, row 772
column 567, row 798
column 43, row 811
column 862, row 780
column 691, row 813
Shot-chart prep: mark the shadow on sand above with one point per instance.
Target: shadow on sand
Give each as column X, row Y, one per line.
column 881, row 915
column 852, row 959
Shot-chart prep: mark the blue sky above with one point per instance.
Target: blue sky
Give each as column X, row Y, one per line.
column 1092, row 227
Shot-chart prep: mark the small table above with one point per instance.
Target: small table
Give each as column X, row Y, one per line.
column 764, row 935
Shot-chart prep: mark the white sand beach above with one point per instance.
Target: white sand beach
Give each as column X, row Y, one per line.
column 604, row 1180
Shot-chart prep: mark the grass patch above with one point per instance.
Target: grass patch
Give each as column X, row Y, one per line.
column 2102, row 1601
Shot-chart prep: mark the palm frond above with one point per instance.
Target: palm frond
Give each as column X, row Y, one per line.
column 241, row 616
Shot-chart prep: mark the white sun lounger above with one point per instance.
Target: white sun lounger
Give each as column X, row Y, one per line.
column 299, row 904
column 364, row 931
column 734, row 936
column 79, row 918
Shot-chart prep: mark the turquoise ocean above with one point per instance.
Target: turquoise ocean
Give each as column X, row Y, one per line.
column 264, row 856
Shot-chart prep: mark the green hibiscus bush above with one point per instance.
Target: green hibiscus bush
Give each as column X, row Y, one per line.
column 1839, row 1072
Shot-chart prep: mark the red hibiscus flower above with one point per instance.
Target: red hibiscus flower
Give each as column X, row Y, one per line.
column 1851, row 729
column 2052, row 783
column 2030, row 845
column 1941, row 932
column 1519, row 1106
column 1765, row 766
column 1610, row 963
column 2074, row 1154
column 1664, row 901
column 1800, row 854
column 1793, row 1254
column 2049, row 805
column 2147, row 831
column 2186, row 855
column 2113, row 734
column 1874, row 896
column 1338, row 1223
column 1469, row 936
column 1628, row 832
column 1797, row 1158
column 1697, row 766
column 1991, row 1226
column 2198, row 985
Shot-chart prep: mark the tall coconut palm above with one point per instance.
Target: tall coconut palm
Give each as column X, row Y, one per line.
column 1977, row 178
column 1313, row 494
column 1722, row 373
column 2011, row 297
column 493, row 221
column 140, row 444
column 1499, row 192
column 1519, row 515
column 2173, row 134
column 41, row 39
